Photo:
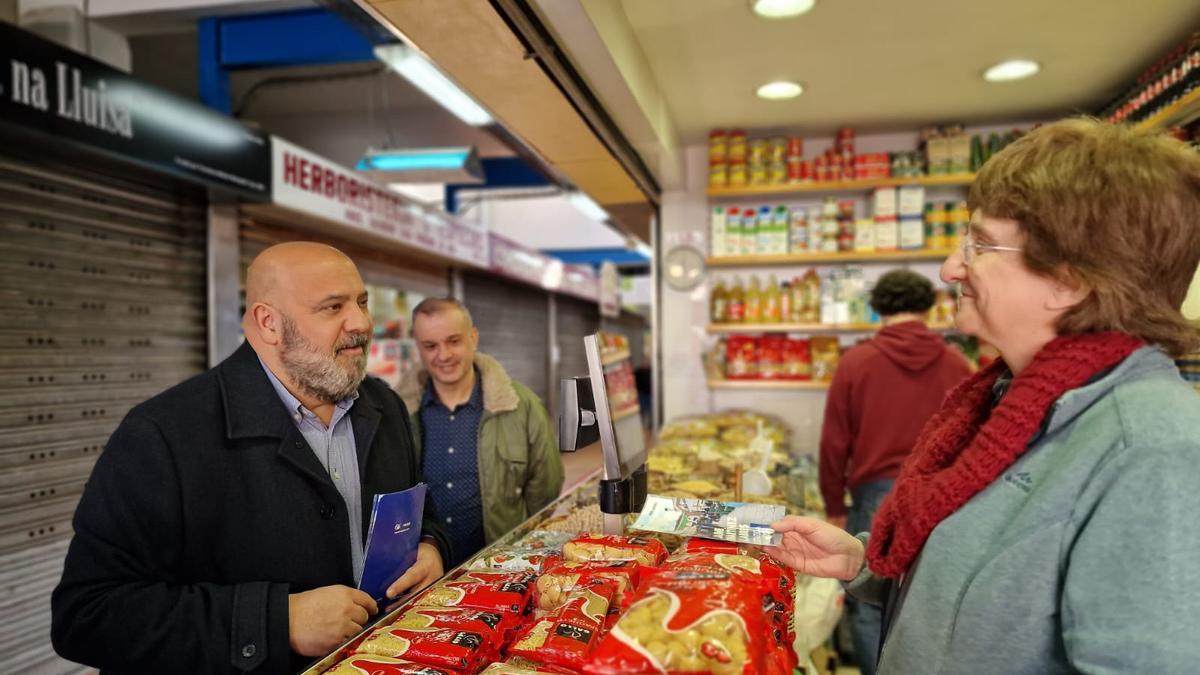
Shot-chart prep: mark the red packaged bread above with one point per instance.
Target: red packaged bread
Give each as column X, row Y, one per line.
column 556, row 584
column 494, row 626
column 504, row 596
column 685, row 622
column 615, row 547
column 370, row 664
column 565, row 638
column 458, row 650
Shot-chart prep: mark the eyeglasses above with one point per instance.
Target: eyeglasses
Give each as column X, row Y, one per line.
column 970, row 249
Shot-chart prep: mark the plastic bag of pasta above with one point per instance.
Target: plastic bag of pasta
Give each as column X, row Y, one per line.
column 500, row 595
column 358, row 664
column 686, row 622
column 565, row 638
column 458, row 650
column 554, row 586
column 615, row 547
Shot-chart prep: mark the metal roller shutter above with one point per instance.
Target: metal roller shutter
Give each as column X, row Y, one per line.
column 513, row 323
column 102, row 305
column 576, row 318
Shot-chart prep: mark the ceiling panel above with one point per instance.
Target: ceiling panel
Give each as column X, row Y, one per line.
column 883, row 64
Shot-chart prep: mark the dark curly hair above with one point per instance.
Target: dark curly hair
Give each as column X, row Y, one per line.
column 902, row 291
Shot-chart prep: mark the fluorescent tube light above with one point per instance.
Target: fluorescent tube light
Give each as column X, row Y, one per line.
column 415, row 68
column 423, row 165
column 587, row 206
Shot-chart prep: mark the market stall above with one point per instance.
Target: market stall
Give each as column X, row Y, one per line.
column 558, row 595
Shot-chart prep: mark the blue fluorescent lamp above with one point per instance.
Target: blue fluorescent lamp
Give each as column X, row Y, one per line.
column 423, row 165
column 413, row 161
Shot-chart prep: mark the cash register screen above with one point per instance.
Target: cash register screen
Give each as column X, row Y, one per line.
column 619, row 392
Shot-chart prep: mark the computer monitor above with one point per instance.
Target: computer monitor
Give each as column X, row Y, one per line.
column 618, row 416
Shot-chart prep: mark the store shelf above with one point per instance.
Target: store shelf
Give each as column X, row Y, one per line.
column 806, row 327
column 836, row 258
column 799, row 385
column 608, row 357
column 840, row 186
column 1180, row 112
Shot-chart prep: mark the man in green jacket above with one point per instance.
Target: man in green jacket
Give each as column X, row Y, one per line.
column 486, row 446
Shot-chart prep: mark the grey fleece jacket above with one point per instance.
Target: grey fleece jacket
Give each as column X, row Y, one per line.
column 1084, row 556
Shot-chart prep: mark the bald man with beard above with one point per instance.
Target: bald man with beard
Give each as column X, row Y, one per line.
column 222, row 528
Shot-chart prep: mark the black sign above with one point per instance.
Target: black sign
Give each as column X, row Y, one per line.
column 72, row 97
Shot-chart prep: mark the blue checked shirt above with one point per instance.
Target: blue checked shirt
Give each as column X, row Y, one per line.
column 334, row 446
column 451, row 469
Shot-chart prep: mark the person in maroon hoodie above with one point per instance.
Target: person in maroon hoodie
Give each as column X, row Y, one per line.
column 883, row 392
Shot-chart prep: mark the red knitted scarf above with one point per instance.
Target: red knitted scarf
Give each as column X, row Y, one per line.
column 968, row 443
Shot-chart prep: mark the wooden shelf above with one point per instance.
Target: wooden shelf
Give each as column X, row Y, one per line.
column 806, row 327
column 607, row 358
column 824, row 258
column 1180, row 112
column 840, row 186
column 798, row 385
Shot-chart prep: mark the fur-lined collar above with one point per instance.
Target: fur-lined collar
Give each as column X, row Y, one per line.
column 498, row 392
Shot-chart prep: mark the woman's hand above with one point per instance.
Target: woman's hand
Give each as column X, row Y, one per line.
column 815, row 547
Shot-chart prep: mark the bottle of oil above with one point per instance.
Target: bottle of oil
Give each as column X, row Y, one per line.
column 754, row 301
column 718, row 304
column 735, row 308
column 771, row 302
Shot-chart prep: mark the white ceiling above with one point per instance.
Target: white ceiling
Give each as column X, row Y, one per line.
column 891, row 64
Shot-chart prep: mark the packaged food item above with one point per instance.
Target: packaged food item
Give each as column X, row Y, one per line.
column 797, row 362
column 718, row 175
column 556, row 584
column 825, row 354
column 495, row 627
column 615, row 547
column 718, row 145
column 510, row 596
column 453, row 649
column 735, row 309
column 912, row 233
column 516, row 559
column 685, row 622
column 718, row 231
column 494, row 576
column 357, row 664
column 515, row 665
column 508, row 669
column 741, row 360
column 770, row 356
column 738, row 174
column 737, row 145
column 545, row 539
column 566, row 637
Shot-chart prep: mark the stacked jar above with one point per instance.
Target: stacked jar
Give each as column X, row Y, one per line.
column 1164, row 83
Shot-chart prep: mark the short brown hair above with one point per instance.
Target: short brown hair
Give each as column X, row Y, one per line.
column 431, row 306
column 1119, row 207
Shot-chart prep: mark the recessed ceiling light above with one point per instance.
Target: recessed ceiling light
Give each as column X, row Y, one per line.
column 780, row 90
column 1007, row 71
column 781, row 9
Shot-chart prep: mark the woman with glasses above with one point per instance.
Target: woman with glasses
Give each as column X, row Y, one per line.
column 1045, row 521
